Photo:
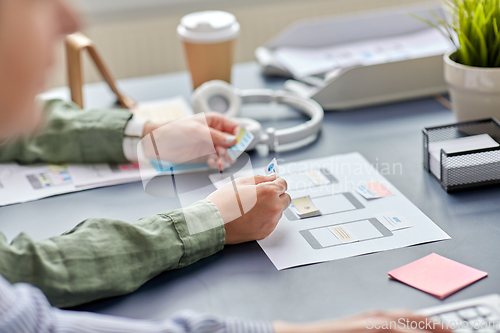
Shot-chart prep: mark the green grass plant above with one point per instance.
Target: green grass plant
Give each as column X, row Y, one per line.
column 473, row 29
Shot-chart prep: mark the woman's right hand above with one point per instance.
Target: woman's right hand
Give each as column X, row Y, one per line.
column 377, row 321
column 254, row 209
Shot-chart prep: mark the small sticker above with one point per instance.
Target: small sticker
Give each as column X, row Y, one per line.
column 393, row 221
column 373, row 190
column 342, row 234
column 243, row 140
column 304, row 207
column 317, row 177
column 272, row 168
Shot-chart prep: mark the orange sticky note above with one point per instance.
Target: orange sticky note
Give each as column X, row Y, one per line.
column 437, row 275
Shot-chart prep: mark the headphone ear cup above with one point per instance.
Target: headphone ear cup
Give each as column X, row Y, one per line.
column 216, row 96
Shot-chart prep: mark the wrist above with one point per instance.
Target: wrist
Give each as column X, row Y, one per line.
column 149, row 128
column 133, row 133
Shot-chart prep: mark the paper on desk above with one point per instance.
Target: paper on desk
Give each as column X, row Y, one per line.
column 287, row 247
column 437, row 275
column 19, row 183
column 26, row 183
column 458, row 145
column 302, row 62
column 163, row 111
column 99, row 174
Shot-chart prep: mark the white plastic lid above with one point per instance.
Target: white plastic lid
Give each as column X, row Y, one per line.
column 208, row 27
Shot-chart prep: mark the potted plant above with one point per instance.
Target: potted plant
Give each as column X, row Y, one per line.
column 472, row 72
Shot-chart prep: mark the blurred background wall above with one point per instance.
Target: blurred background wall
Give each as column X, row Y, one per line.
column 138, row 37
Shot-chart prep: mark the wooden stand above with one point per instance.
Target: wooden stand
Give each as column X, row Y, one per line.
column 75, row 45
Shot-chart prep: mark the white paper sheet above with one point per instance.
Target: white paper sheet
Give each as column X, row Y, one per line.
column 19, row 183
column 163, row 111
column 286, row 247
column 302, row 62
column 96, row 174
column 23, row 183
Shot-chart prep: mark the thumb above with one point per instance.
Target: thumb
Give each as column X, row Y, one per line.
column 222, row 139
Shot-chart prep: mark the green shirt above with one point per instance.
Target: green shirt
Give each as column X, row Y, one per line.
column 100, row 257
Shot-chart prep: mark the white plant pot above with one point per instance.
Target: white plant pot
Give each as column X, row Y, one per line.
column 474, row 91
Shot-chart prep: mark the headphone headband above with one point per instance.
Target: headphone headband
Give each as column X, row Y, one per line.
column 282, row 140
column 293, row 134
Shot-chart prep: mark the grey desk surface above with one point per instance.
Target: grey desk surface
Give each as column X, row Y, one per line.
column 240, row 280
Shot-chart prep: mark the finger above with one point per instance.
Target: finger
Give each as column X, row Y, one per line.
column 222, row 123
column 281, row 184
column 226, row 161
column 212, row 162
column 237, row 130
column 256, row 180
column 222, row 139
column 286, row 200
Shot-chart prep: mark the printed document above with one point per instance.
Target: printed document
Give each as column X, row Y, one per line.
column 331, row 219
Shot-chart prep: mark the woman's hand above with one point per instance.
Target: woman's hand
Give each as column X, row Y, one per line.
column 252, row 211
column 197, row 139
column 371, row 322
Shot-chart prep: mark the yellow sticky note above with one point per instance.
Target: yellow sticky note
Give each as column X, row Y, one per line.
column 304, row 207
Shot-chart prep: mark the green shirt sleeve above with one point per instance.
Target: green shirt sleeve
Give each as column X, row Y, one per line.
column 101, row 258
column 72, row 135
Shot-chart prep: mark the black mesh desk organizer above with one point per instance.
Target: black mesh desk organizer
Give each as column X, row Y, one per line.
column 466, row 170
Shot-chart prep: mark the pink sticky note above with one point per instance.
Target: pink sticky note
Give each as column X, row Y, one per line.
column 437, row 275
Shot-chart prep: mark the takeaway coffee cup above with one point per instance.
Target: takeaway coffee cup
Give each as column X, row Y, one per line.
column 208, row 39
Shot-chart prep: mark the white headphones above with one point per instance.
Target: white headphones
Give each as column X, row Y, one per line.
column 220, row 96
